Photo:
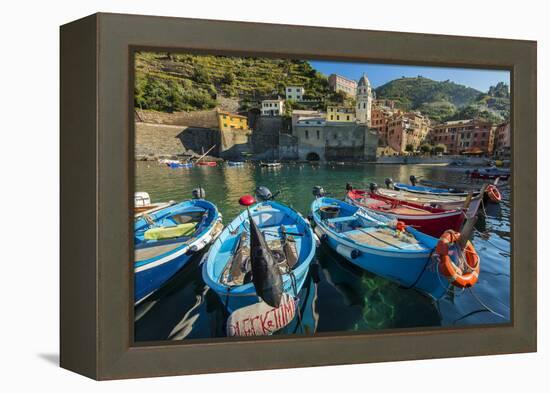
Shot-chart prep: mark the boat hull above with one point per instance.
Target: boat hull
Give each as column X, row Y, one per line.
column 147, row 281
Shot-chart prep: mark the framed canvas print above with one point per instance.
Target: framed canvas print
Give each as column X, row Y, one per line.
column 241, row 196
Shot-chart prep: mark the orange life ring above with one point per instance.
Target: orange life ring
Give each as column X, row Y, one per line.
column 493, row 193
column 447, row 267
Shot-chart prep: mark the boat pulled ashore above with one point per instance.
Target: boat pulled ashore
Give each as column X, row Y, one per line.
column 261, row 259
column 166, row 239
column 425, row 218
column 393, row 250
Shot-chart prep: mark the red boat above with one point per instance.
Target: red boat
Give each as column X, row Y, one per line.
column 429, row 220
column 207, row 163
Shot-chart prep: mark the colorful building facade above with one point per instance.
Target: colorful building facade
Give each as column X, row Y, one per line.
column 338, row 83
column 340, row 114
column 232, row 121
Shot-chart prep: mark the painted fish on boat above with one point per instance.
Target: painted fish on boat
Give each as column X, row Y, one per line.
column 263, row 253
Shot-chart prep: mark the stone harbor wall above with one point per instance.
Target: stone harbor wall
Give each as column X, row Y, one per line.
column 162, row 141
column 158, row 140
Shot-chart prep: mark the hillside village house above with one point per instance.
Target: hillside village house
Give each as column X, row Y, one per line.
column 382, row 112
column 409, row 128
column 464, row 136
column 338, row 83
column 503, row 140
column 231, row 121
column 295, row 93
column 272, row 107
column 340, row 114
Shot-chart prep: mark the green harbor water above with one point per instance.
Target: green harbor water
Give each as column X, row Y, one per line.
column 337, row 296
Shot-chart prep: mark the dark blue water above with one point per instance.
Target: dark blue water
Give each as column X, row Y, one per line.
column 337, row 296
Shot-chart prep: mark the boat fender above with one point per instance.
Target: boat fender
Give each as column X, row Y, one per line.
column 493, row 193
column 448, row 268
column 348, row 252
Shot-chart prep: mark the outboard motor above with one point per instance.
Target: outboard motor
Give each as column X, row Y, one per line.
column 413, row 180
column 198, row 193
column 388, row 182
column 373, row 187
column 263, row 193
column 318, row 191
column 349, row 187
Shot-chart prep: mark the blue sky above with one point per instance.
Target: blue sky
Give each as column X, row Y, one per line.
column 379, row 74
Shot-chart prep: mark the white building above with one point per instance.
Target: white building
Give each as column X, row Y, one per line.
column 295, row 93
column 273, row 107
column 364, row 100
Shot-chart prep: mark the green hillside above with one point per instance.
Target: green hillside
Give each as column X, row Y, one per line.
column 447, row 100
column 173, row 82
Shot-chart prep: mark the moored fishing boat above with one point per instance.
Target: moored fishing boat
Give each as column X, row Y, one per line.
column 235, row 163
column 165, row 240
column 207, row 163
column 448, row 202
column 425, row 218
column 393, row 250
column 270, row 164
column 263, row 254
column 180, row 164
column 452, row 191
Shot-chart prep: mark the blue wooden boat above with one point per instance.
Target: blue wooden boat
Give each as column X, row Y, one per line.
column 226, row 268
column 166, row 239
column 432, row 190
column 373, row 242
column 180, row 164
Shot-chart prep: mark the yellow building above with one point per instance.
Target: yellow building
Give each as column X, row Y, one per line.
column 340, row 114
column 230, row 121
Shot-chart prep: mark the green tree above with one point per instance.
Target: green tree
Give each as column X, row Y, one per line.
column 426, row 148
column 409, row 148
column 440, row 148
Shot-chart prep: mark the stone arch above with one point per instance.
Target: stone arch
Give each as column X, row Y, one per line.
column 312, row 156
